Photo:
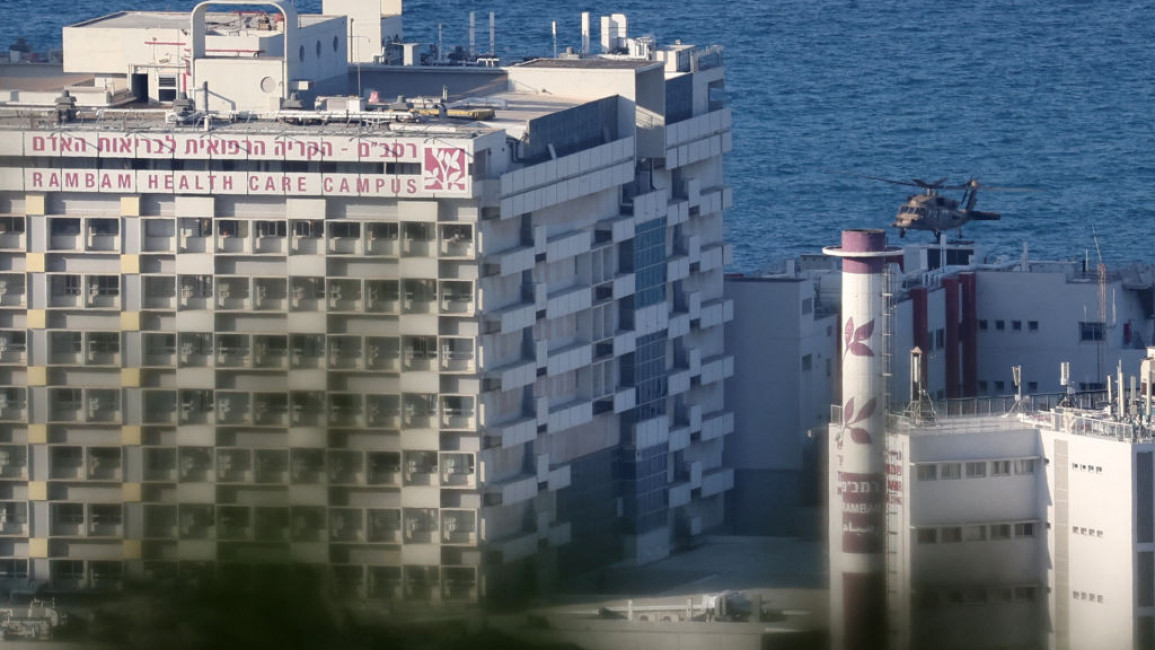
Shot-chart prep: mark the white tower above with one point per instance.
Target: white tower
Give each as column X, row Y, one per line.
column 857, row 483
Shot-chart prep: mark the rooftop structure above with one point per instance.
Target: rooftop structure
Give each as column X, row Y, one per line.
column 432, row 348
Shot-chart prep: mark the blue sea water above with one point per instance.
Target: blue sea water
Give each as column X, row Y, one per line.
column 1052, row 94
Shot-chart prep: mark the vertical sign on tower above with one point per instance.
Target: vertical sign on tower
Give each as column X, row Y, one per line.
column 857, row 450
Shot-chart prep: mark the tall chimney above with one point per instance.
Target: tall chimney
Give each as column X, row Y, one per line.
column 857, row 450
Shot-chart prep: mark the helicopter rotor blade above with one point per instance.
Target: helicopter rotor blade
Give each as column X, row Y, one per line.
column 878, row 178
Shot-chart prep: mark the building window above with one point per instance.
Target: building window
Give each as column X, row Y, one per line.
column 927, row 472
column 64, row 227
column 107, row 285
column 976, row 469
column 983, row 324
column 807, row 305
column 951, row 471
column 70, row 285
column 807, row 362
column 927, row 535
column 983, row 386
column 1025, row 594
column 939, row 339
column 270, row 228
column 1091, row 331
column 1000, row 325
column 1000, row 386
column 1033, row 325
column 975, row 534
column 1026, row 529
column 1017, row 325
column 951, row 534
column 1000, row 468
column 1025, row 466
column 1032, row 386
column 1000, row 531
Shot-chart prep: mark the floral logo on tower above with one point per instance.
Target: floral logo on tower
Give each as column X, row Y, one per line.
column 853, row 339
column 850, row 418
column 444, row 169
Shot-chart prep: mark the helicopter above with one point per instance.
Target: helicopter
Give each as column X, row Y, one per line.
column 934, row 212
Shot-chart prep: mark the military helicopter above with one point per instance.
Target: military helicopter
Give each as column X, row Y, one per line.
column 935, row 212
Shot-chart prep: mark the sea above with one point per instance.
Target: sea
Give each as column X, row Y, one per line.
column 1053, row 95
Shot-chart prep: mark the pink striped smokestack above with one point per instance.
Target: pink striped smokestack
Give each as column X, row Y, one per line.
column 857, row 449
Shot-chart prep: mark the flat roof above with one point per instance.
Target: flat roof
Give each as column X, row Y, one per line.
column 589, row 64
column 180, row 20
column 40, row 77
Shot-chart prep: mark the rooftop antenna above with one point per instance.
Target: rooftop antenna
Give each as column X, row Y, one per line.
column 1017, row 377
column 440, row 44
column 920, row 410
column 1122, row 391
column 1102, row 271
column 1065, row 382
column 554, row 29
column 472, row 35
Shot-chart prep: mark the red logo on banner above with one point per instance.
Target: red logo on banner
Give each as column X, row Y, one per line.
column 445, row 169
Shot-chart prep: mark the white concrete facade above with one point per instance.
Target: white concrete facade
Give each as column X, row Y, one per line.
column 392, row 355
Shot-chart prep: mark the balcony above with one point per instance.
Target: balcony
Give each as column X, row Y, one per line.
column 344, row 238
column 383, row 411
column 307, row 351
column 307, row 237
column 194, row 292
column 384, row 468
column 235, row 523
column 307, row 466
column 195, row 464
column 384, row 526
column 13, row 462
column 459, row 527
column 160, row 464
column 346, row 525
column 271, row 466
column 102, row 292
column 160, row 407
column 306, row 294
column 382, row 353
column 12, row 234
column 417, row 240
column 307, row 409
column 455, row 241
column 234, row 408
column 385, row 583
column 234, row 466
column 717, row 481
column 456, row 355
column 346, row 467
column 456, row 297
column 717, row 368
column 271, row 409
column 420, row 297
column 345, row 353
column 269, row 238
column 13, row 519
column 13, row 404
column 197, row 521
column 159, row 292
column 716, row 425
column 232, row 237
column 716, row 312
column 457, row 470
column 420, row 468
column 457, row 412
column 420, row 525
column 196, row 407
column 382, row 239
column 344, row 296
column 382, row 296
column 307, row 524
column 271, row 524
